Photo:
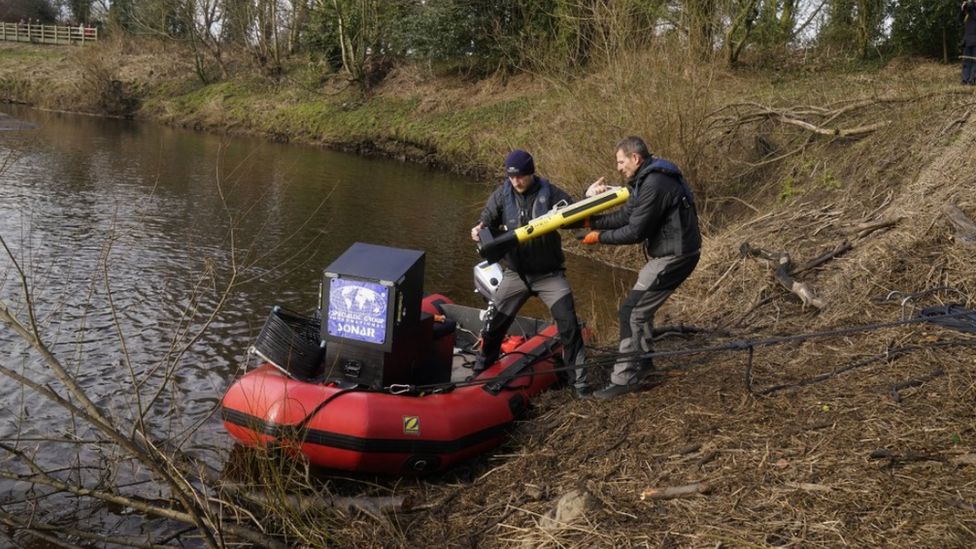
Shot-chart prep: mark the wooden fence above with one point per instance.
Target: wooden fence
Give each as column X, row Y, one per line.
column 47, row 34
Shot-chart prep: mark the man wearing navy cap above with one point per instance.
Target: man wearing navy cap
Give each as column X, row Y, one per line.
column 535, row 267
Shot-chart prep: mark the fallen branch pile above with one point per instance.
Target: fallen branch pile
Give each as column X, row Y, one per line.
column 787, row 270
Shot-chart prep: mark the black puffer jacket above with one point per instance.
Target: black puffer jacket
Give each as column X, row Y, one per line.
column 967, row 16
column 507, row 209
column 660, row 212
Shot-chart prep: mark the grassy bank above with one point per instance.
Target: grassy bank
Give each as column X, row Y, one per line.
column 568, row 121
column 444, row 122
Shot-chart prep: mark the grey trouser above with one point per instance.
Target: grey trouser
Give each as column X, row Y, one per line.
column 554, row 291
column 659, row 278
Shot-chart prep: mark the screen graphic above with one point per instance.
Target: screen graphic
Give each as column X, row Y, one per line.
column 357, row 310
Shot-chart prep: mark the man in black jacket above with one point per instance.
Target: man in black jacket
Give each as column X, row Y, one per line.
column 660, row 213
column 534, row 267
column 967, row 16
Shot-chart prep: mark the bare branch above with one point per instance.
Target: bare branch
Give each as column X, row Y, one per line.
column 784, row 265
column 965, row 228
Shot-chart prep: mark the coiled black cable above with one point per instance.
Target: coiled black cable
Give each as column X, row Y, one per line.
column 291, row 342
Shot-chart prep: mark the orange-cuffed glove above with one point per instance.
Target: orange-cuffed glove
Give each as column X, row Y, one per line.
column 592, row 237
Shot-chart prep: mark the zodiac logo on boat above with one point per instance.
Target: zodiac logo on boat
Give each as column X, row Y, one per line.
column 411, row 425
column 357, row 310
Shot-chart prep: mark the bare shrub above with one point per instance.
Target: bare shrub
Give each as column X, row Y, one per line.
column 641, row 79
column 659, row 93
column 100, row 84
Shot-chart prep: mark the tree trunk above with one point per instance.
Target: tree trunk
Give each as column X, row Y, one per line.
column 741, row 20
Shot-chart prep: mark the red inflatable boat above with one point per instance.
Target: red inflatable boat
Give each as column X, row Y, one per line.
column 403, row 405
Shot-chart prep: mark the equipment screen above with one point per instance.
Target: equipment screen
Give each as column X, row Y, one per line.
column 357, row 310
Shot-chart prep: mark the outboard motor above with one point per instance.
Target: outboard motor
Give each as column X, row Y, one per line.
column 487, row 277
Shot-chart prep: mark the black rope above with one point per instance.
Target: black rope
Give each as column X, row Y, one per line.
column 301, row 425
column 913, row 298
column 952, row 316
column 887, row 355
column 742, row 345
column 297, row 431
column 471, row 382
column 750, row 346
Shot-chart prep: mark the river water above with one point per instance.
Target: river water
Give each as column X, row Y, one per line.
column 153, row 256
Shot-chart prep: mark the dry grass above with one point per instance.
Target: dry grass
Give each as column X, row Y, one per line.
column 105, row 78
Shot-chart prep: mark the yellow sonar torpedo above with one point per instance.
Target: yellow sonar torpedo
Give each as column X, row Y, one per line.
column 493, row 247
